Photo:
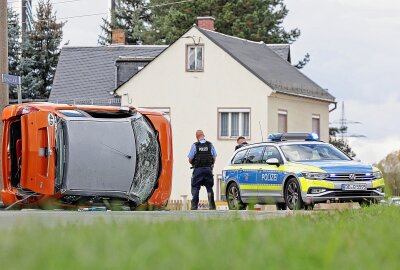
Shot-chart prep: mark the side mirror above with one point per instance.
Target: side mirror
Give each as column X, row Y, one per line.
column 273, row 161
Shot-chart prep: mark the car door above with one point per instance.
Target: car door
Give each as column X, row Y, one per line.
column 248, row 174
column 270, row 177
column 37, row 162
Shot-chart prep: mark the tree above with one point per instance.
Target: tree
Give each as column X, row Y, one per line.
column 133, row 16
column 340, row 143
column 257, row 20
column 14, row 48
column 164, row 21
column 40, row 52
column 390, row 167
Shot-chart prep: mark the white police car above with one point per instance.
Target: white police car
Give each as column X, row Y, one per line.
column 295, row 170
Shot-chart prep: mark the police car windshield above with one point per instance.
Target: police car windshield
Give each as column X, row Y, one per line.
column 312, row 152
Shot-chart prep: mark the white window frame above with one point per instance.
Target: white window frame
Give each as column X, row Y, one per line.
column 283, row 112
column 196, row 69
column 316, row 116
column 241, row 112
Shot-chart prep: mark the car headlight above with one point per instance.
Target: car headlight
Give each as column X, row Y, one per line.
column 378, row 175
column 315, row 175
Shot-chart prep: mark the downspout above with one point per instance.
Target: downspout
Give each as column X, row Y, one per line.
column 334, row 108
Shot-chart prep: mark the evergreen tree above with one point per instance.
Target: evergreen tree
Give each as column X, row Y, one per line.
column 342, row 144
column 130, row 15
column 40, row 53
column 14, row 48
column 257, row 20
column 164, row 21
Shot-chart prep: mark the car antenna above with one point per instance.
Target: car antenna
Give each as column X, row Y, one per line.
column 262, row 137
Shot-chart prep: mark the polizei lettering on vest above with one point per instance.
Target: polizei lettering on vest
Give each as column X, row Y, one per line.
column 203, row 149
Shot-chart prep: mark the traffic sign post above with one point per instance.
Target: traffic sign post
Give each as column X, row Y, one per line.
column 15, row 80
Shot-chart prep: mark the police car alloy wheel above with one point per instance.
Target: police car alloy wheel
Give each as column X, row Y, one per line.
column 293, row 195
column 233, row 198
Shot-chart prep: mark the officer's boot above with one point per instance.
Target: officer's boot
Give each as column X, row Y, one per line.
column 211, row 201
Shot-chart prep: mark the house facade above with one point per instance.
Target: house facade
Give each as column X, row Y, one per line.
column 228, row 87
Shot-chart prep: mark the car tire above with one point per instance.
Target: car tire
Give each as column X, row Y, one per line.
column 233, row 198
column 281, row 206
column 292, row 194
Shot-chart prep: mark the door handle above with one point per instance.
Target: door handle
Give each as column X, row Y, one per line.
column 240, row 170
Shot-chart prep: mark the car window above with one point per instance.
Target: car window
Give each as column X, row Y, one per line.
column 271, row 152
column 309, row 152
column 255, row 154
column 238, row 159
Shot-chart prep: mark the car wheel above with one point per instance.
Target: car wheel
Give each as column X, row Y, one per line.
column 233, row 198
column 281, row 206
column 293, row 195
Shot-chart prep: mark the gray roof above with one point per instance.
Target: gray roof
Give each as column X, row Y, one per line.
column 268, row 66
column 85, row 73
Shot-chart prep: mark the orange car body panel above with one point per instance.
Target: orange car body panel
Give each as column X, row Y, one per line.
column 38, row 171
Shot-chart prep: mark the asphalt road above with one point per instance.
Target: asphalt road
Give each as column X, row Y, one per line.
column 10, row 219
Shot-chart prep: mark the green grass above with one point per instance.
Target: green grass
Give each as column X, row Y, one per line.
column 354, row 239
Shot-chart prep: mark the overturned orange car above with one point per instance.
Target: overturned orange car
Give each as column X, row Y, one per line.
column 75, row 155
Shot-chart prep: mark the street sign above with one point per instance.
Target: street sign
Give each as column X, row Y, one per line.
column 10, row 79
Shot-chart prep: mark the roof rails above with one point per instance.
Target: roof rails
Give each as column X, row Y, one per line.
column 279, row 137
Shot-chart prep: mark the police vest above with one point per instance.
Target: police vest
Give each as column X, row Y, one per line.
column 203, row 156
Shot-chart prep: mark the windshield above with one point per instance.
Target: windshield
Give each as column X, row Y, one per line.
column 147, row 159
column 312, row 152
column 60, row 154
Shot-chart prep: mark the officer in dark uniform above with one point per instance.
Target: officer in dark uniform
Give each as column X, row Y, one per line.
column 202, row 157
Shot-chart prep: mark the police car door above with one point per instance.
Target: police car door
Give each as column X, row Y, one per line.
column 248, row 175
column 270, row 177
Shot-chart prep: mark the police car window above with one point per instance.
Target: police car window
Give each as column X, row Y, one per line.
column 238, row 159
column 271, row 152
column 255, row 155
column 309, row 152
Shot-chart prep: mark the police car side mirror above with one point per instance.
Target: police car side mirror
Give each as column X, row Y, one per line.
column 273, row 161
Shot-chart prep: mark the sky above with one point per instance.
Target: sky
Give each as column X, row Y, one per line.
column 353, row 46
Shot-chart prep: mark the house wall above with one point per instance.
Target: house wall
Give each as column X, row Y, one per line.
column 194, row 99
column 299, row 114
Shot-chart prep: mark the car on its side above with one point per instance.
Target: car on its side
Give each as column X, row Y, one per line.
column 295, row 170
column 75, row 155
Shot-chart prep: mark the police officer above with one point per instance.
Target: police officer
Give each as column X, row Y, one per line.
column 241, row 141
column 202, row 157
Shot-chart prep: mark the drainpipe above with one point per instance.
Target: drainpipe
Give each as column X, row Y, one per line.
column 334, row 108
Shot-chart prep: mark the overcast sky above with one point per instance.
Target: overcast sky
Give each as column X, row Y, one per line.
column 353, row 46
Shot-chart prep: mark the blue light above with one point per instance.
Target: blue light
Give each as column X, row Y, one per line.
column 278, row 137
column 314, row 136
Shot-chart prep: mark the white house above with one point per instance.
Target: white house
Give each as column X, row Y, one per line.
column 227, row 87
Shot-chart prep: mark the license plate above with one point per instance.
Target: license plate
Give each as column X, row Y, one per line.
column 354, row 186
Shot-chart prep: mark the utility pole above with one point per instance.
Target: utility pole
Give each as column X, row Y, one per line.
column 3, row 65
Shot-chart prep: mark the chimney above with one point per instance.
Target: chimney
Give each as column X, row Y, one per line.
column 118, row 37
column 206, row 23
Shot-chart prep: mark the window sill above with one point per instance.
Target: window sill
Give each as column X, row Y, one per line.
column 195, row 70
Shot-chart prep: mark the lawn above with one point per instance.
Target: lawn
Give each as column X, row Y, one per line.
column 368, row 238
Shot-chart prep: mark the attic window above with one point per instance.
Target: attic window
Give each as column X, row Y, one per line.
column 194, row 58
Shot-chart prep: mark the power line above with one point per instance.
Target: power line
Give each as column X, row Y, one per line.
column 62, row 2
column 104, row 13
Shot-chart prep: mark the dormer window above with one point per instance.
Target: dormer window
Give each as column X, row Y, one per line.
column 194, row 57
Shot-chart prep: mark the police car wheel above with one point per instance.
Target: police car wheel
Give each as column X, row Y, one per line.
column 233, row 198
column 293, row 195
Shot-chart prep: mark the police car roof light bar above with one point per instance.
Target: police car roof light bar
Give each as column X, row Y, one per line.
column 279, row 137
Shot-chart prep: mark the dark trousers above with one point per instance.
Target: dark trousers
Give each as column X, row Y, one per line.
column 202, row 177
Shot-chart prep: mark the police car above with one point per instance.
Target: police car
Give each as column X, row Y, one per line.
column 296, row 170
